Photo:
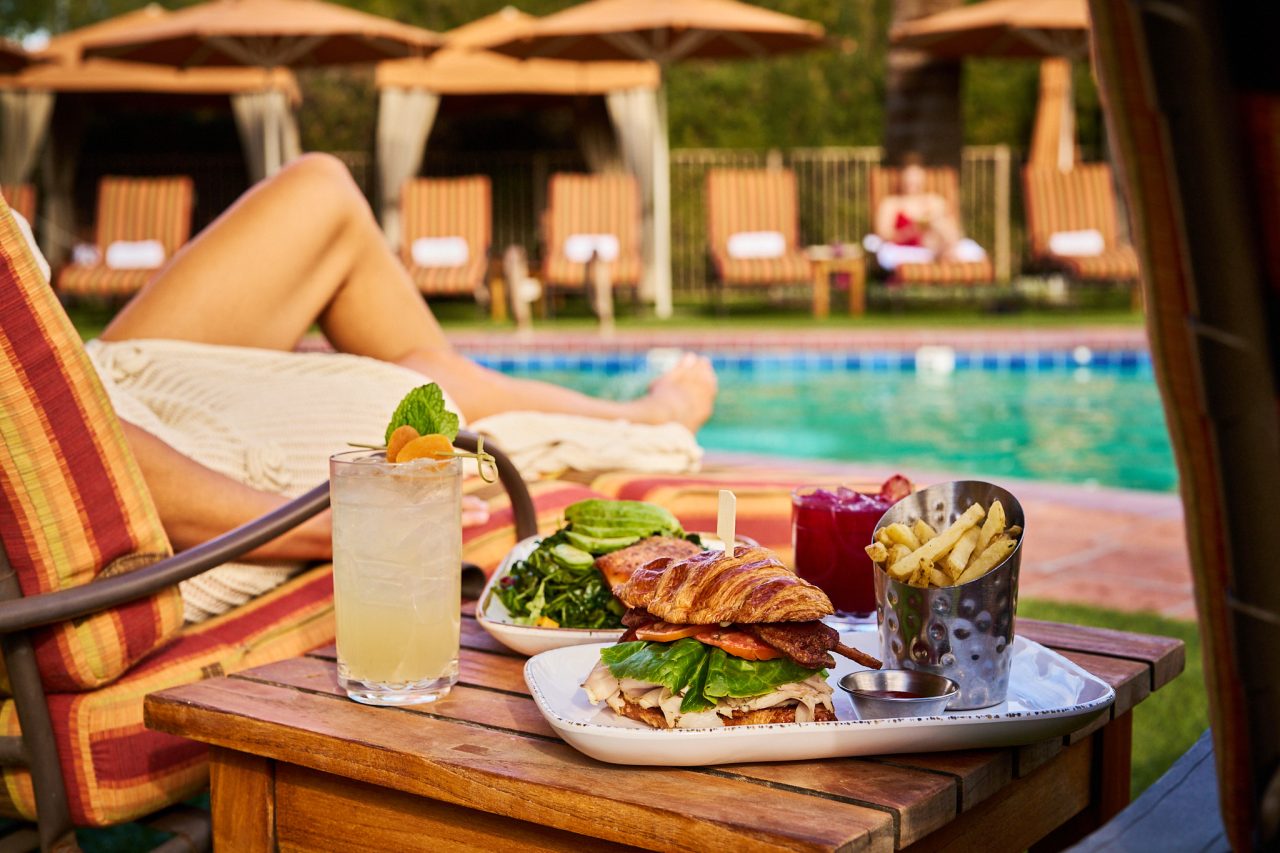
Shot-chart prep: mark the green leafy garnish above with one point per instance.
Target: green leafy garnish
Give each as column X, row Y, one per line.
column 424, row 409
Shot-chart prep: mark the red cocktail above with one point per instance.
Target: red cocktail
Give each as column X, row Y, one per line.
column 830, row 530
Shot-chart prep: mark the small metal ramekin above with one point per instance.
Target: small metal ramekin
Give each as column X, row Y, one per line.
column 934, row 691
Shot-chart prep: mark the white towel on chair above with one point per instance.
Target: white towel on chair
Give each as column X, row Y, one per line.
column 1077, row 244
column 435, row 252
column 135, row 254
column 890, row 256
column 752, row 245
column 579, row 248
column 542, row 443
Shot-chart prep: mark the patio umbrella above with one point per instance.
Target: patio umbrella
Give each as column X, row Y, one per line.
column 661, row 31
column 12, row 57
column 1055, row 31
column 267, row 34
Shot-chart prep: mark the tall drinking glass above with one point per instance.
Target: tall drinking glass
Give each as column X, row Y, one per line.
column 397, row 553
column 830, row 529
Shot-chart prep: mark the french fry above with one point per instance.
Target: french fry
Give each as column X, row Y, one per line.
column 920, row 577
column 923, row 531
column 883, row 538
column 902, row 534
column 938, row 545
column 955, row 563
column 992, row 527
column 1015, row 531
column 939, row 578
column 896, row 553
column 993, row 556
column 877, row 552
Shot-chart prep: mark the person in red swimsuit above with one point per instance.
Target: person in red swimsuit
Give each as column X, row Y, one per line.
column 916, row 217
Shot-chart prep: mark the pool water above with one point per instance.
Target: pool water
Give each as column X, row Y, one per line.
column 1067, row 417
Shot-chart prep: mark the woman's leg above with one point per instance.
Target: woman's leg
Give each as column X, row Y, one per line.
column 303, row 248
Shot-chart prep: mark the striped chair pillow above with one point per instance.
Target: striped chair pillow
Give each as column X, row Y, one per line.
column 603, row 204
column 73, row 505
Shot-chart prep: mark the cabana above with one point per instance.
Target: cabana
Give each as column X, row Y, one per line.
column 411, row 91
column 28, row 98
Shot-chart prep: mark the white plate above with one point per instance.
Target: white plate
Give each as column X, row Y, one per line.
column 494, row 617
column 1049, row 696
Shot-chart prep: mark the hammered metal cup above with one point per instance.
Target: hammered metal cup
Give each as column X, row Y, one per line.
column 965, row 632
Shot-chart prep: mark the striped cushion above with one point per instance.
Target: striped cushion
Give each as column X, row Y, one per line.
column 133, row 209
column 591, row 204
column 742, row 200
column 487, row 544
column 764, row 498
column 447, row 207
column 73, row 504
column 1117, row 264
column 945, row 272
column 1079, row 199
column 115, row 768
column 22, row 199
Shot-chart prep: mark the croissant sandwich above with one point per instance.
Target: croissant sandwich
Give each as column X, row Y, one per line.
column 717, row 639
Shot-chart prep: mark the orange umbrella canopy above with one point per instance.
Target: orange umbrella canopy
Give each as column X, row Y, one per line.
column 64, row 69
column 464, row 67
column 1026, row 28
column 663, row 31
column 265, row 33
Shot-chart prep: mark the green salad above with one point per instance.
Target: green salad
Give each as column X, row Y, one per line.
column 558, row 586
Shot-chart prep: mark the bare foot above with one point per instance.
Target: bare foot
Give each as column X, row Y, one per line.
column 685, row 394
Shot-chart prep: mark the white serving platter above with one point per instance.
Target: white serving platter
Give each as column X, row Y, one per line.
column 494, row 617
column 1049, row 696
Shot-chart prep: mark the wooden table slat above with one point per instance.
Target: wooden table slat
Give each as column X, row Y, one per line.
column 979, row 773
column 530, row 779
column 477, row 668
column 1165, row 655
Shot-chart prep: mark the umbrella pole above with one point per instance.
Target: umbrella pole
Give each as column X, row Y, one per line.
column 662, row 207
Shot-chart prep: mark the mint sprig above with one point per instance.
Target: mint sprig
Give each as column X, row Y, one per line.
column 424, row 409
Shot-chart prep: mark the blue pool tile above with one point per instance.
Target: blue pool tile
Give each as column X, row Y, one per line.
column 990, row 362
column 1018, row 361
column 964, row 360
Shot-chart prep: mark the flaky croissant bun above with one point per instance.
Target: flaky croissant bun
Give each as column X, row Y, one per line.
column 711, row 587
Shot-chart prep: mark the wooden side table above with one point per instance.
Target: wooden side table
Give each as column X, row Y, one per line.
column 855, row 266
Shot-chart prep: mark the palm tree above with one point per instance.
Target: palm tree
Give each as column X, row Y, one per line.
column 922, row 96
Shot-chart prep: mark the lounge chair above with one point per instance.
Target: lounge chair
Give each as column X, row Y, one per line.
column 89, row 607
column 21, row 199
column 753, row 228
column 885, row 181
column 141, row 223
column 591, row 236
column 446, row 232
column 1077, row 206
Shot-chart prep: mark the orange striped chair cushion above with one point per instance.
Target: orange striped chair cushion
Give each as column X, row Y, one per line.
column 22, row 199
column 116, row 768
column 133, row 209
column 591, row 204
column 73, row 505
column 1079, row 199
column 764, row 498
column 486, row 545
column 743, row 200
column 447, row 207
column 885, row 181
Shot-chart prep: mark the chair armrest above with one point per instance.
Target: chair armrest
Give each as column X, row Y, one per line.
column 19, row 614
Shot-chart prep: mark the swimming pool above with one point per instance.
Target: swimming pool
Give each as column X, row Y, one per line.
column 1068, row 415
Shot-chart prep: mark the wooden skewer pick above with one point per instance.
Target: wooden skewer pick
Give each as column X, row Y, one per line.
column 727, row 519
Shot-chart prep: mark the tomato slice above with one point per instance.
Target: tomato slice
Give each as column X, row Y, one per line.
column 737, row 643
column 667, row 632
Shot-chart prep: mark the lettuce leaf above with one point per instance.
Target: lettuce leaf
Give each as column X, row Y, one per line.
column 673, row 665
column 423, row 409
column 710, row 673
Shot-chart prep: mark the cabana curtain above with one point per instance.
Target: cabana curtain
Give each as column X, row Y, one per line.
column 1053, row 140
column 24, row 123
column 405, row 117
column 268, row 131
column 642, row 137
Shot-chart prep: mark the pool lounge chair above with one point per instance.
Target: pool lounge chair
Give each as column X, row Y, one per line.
column 446, row 232
column 134, row 215
column 21, row 199
column 591, row 236
column 753, row 228
column 90, row 614
column 1067, row 206
column 884, row 181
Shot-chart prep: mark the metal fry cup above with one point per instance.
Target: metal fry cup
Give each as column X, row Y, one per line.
column 965, row 632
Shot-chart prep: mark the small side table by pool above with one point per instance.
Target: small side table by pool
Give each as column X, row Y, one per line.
column 854, row 265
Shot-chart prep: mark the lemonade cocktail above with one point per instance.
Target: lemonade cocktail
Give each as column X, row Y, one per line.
column 397, row 551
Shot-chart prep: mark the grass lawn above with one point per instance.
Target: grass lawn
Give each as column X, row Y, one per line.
column 1167, row 722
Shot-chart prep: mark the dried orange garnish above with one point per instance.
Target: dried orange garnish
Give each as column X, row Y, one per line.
column 434, row 446
column 402, row 436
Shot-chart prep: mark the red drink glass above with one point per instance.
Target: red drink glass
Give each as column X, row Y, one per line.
column 830, row 529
